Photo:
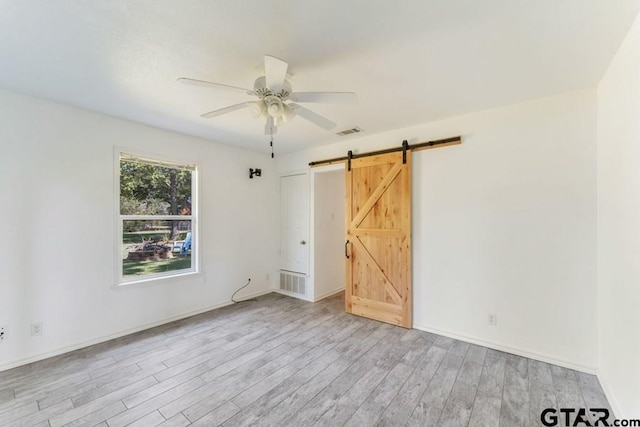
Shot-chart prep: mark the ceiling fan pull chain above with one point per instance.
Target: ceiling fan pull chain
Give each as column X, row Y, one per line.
column 271, row 144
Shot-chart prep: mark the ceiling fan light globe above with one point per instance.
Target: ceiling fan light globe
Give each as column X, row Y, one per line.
column 257, row 109
column 275, row 109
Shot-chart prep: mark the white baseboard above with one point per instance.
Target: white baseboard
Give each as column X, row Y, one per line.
column 115, row 335
column 246, row 297
column 610, row 396
column 328, row 294
column 291, row 294
column 513, row 350
column 306, row 298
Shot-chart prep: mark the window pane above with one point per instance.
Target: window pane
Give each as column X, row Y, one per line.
column 154, row 190
column 153, row 246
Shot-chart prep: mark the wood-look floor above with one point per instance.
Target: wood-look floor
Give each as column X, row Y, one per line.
column 284, row 362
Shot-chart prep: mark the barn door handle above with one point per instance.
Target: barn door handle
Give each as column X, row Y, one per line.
column 345, row 249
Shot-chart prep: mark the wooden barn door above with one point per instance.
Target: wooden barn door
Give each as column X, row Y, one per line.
column 378, row 238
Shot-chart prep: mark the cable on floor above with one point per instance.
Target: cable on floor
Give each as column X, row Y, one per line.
column 245, row 300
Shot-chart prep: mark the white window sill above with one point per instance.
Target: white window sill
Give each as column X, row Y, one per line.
column 154, row 280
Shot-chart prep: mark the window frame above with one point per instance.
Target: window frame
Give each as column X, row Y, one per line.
column 150, row 158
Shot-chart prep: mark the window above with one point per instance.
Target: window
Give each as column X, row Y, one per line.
column 157, row 222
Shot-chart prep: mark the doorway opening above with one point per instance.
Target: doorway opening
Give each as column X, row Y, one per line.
column 328, row 230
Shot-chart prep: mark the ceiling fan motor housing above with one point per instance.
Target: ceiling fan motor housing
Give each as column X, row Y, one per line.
column 260, row 87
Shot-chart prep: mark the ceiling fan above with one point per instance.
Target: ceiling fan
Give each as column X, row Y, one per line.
column 277, row 103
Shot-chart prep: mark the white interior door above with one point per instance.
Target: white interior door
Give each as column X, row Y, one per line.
column 294, row 208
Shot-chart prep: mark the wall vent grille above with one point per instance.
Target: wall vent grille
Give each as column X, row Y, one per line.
column 293, row 283
column 349, row 131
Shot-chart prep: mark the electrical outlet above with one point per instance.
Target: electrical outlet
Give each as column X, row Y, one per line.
column 492, row 319
column 36, row 329
column 267, row 277
column 3, row 332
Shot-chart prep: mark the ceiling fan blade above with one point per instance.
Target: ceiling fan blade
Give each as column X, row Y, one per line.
column 224, row 110
column 325, row 97
column 270, row 128
column 314, row 118
column 275, row 71
column 203, row 83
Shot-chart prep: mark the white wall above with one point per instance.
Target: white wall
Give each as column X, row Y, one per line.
column 57, row 256
column 328, row 234
column 619, row 227
column 504, row 223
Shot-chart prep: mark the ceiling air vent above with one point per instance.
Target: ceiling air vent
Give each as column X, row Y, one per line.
column 349, row 131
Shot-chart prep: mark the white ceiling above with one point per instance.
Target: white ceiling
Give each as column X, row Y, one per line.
column 410, row 61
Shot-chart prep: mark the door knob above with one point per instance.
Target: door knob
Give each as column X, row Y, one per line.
column 302, row 242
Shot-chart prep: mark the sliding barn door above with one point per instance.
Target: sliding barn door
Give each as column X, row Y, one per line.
column 378, row 240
